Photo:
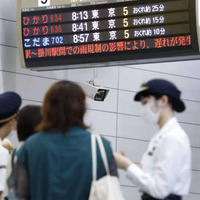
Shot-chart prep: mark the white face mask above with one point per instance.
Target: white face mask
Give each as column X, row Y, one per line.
column 149, row 115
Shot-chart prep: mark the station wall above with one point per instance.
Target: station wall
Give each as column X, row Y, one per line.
column 118, row 118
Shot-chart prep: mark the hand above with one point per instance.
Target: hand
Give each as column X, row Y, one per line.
column 122, row 161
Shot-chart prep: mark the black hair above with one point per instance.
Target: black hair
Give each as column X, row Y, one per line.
column 157, row 96
column 28, row 118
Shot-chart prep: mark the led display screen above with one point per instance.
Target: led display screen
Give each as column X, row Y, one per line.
column 95, row 32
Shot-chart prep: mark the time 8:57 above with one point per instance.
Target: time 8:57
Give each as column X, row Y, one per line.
column 80, row 38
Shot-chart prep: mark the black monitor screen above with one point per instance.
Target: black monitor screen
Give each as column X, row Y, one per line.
column 95, row 32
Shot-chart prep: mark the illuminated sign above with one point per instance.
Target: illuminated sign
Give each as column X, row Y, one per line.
column 107, row 32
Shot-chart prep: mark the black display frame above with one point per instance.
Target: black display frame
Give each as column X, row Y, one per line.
column 116, row 57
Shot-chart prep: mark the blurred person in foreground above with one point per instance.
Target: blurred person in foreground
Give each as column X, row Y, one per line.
column 9, row 105
column 57, row 160
column 28, row 118
column 165, row 169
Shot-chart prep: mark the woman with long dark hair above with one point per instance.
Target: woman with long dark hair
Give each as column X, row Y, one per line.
column 57, row 160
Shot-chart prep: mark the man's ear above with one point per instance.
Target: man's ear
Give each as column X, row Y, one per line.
column 12, row 124
column 165, row 101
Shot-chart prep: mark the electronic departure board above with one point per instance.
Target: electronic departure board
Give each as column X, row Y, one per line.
column 84, row 33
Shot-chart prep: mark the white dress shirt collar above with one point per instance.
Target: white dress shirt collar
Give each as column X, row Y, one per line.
column 167, row 126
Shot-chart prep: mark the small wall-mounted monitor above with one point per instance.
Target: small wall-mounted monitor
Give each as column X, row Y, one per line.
column 84, row 33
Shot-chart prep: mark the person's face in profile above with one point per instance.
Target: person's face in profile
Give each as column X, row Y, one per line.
column 151, row 101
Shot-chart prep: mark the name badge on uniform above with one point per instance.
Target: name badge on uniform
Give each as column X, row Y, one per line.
column 150, row 153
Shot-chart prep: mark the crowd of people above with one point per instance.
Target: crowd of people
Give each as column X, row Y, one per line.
column 53, row 160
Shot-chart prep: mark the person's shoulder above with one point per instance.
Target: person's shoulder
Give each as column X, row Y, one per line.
column 108, row 149
column 105, row 141
column 179, row 135
column 179, row 132
column 86, row 132
column 3, row 152
column 107, row 145
column 35, row 137
column 30, row 142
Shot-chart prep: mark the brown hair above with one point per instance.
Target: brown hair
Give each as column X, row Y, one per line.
column 63, row 107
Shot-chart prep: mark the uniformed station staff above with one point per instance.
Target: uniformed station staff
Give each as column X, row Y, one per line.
column 165, row 169
column 9, row 105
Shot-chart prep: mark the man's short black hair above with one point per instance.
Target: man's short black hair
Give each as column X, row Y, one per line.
column 28, row 119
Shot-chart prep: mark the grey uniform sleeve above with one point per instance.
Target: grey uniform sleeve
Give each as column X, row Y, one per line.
column 22, row 189
column 112, row 164
column 113, row 168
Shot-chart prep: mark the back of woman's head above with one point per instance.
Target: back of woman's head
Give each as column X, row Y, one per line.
column 28, row 119
column 63, row 107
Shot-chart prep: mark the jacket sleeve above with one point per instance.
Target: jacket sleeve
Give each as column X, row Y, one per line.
column 110, row 157
column 22, row 189
column 159, row 184
column 113, row 168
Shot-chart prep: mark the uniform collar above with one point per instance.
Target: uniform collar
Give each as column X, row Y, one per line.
column 168, row 125
column 75, row 130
